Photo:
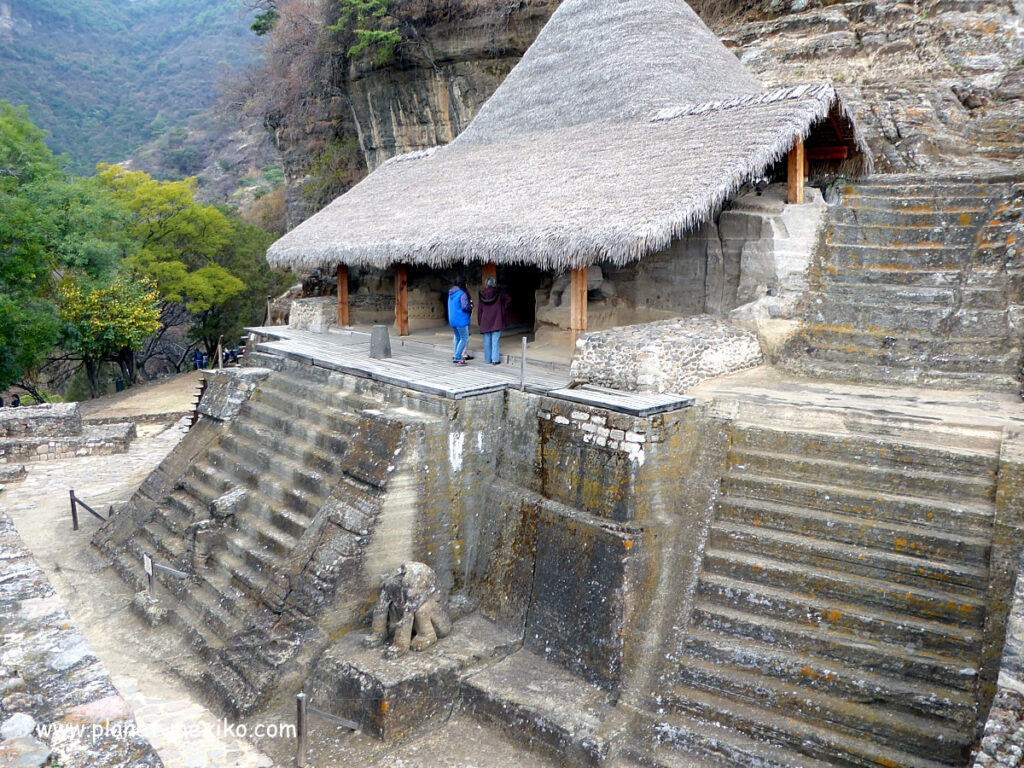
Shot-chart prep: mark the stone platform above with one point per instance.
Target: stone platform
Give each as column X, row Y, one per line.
column 393, row 698
column 55, row 431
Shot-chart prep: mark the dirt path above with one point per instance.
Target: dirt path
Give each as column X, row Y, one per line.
column 172, row 395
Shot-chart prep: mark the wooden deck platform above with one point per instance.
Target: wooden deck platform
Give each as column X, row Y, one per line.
column 428, row 368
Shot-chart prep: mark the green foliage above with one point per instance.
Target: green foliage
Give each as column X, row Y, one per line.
column 102, row 75
column 180, row 240
column 333, row 170
column 102, row 322
column 368, row 20
column 264, row 22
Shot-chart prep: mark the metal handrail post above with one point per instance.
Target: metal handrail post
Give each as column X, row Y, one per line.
column 522, row 368
column 301, row 743
column 74, row 512
column 147, row 566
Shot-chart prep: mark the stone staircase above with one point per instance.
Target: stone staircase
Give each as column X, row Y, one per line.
column 914, row 284
column 272, row 471
column 840, row 606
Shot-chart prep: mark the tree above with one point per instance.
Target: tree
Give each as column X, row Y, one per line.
column 109, row 324
column 181, row 246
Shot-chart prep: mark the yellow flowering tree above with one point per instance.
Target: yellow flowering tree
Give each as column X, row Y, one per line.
column 109, row 324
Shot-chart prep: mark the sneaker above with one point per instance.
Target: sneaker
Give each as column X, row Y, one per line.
column 458, row 362
column 467, row 357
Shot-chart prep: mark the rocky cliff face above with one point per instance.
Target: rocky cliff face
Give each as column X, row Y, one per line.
column 936, row 84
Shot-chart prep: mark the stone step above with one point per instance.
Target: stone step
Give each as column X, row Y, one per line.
column 886, row 295
column 318, row 433
column 924, row 255
column 853, row 471
column 164, row 545
column 863, row 592
column 264, row 458
column 300, row 451
column 992, row 377
column 864, row 214
column 709, row 650
column 879, row 348
column 960, row 581
column 207, row 605
column 900, row 233
column 687, row 742
column 820, row 741
column 240, row 573
column 858, row 717
column 173, row 517
column 194, row 628
column 231, row 689
column 294, row 393
column 955, row 531
column 273, row 492
column 849, row 619
column 908, row 320
column 900, row 453
column 128, row 565
column 975, row 278
column 830, row 642
column 255, row 554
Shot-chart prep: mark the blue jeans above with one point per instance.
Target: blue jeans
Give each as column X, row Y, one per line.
column 461, row 340
column 491, row 353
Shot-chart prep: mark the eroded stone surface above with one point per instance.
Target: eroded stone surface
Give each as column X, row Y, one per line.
column 670, row 356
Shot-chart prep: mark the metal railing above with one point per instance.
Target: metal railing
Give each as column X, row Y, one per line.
column 77, row 502
column 522, row 368
column 150, row 566
column 302, row 713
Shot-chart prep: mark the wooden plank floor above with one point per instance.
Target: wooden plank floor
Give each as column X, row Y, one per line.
column 417, row 366
column 425, row 367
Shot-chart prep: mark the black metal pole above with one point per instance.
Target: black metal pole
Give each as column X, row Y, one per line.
column 300, row 730
column 74, row 512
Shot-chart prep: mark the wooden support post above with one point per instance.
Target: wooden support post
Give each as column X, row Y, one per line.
column 795, row 189
column 343, row 295
column 578, row 304
column 488, row 270
column 401, row 300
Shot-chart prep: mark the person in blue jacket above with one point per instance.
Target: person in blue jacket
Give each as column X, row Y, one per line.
column 460, row 312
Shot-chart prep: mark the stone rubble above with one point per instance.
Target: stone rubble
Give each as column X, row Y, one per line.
column 669, row 356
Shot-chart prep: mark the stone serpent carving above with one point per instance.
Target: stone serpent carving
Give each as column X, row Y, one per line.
column 411, row 611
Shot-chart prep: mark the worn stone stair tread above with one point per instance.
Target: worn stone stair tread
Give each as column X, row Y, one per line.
column 195, row 626
column 727, row 747
column 902, row 450
column 988, row 377
column 979, row 489
column 269, row 460
column 902, row 599
column 968, row 580
column 979, row 511
column 799, row 735
column 932, row 668
column 964, row 544
column 264, row 493
column 238, row 569
column 829, row 676
column 847, row 617
column 207, row 605
column 298, row 450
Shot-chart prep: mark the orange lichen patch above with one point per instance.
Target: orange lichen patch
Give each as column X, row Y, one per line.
column 627, row 544
column 965, row 219
column 383, row 707
column 900, row 544
column 833, row 616
column 809, row 673
column 966, row 609
column 757, row 522
column 885, row 762
column 923, row 208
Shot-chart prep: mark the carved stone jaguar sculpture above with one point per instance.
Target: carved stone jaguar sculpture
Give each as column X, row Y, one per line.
column 411, row 611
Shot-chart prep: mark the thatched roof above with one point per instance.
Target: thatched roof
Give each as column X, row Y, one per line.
column 624, row 125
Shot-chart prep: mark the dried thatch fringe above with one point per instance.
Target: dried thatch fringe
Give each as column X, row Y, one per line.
column 554, row 177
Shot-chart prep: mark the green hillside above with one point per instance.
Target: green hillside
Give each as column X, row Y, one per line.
column 105, row 76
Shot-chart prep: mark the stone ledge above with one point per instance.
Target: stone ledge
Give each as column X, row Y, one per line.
column 35, row 421
column 394, row 698
column 94, row 440
column 49, row 677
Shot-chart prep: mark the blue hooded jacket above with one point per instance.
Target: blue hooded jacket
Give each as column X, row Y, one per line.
column 460, row 308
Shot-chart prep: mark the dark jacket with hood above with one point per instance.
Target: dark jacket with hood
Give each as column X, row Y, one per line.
column 492, row 311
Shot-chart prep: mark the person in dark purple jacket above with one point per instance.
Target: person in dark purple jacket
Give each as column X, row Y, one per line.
column 492, row 317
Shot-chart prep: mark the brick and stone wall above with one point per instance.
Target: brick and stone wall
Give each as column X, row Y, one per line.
column 668, row 356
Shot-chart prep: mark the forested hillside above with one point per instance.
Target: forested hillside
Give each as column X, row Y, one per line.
column 104, row 77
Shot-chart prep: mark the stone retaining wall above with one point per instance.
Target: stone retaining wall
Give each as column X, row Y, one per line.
column 94, row 440
column 670, row 356
column 47, row 420
column 49, row 677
